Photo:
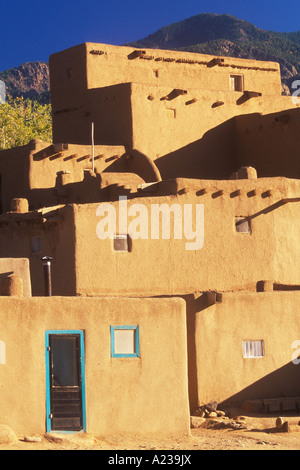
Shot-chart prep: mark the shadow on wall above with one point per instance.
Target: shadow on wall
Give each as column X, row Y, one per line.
column 282, row 383
column 194, row 305
column 211, row 157
column 134, row 161
column 269, row 143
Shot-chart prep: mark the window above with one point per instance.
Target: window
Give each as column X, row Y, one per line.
column 253, row 348
column 36, row 245
column 236, row 83
column 2, row 352
column 121, row 242
column 125, row 341
column 242, row 225
column 171, row 113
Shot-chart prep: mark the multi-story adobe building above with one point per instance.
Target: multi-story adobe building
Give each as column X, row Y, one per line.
column 169, row 203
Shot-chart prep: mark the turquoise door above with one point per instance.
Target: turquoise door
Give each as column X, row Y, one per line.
column 65, row 381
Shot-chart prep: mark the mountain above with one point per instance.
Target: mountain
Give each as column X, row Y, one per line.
column 30, row 80
column 206, row 33
column 226, row 35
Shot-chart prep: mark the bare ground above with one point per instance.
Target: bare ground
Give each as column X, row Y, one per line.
column 257, row 433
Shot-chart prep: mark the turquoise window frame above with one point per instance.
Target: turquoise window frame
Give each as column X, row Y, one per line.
column 136, row 329
column 82, row 366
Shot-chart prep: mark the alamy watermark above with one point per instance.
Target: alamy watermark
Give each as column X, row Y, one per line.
column 296, row 353
column 157, row 221
column 2, row 92
column 295, row 95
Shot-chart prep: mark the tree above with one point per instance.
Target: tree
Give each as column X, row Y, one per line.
column 22, row 120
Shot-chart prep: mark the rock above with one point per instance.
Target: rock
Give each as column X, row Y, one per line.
column 212, row 414
column 220, row 413
column 7, row 435
column 32, row 439
column 196, row 421
column 285, row 427
column 199, row 412
column 211, row 406
column 279, row 422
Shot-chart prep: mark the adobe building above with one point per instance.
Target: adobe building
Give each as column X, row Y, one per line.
column 167, row 207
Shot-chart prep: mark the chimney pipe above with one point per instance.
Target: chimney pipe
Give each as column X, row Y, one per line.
column 47, row 275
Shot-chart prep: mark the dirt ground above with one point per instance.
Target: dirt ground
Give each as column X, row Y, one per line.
column 255, row 433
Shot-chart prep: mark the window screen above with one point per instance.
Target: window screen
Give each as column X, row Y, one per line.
column 253, row 348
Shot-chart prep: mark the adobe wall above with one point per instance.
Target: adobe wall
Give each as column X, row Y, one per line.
column 269, row 142
column 159, row 102
column 47, row 175
column 86, row 265
column 223, row 374
column 14, row 175
column 44, row 233
column 19, row 268
column 94, row 65
column 195, row 136
column 228, row 261
column 123, row 395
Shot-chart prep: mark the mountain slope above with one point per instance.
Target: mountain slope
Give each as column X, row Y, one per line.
column 202, row 28
column 30, row 80
column 226, row 35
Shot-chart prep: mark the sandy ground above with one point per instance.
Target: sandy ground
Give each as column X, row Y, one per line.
column 257, row 433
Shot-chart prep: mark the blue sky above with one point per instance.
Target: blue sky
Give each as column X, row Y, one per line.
column 32, row 30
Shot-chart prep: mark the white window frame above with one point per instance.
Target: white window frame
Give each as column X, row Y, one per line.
column 253, row 348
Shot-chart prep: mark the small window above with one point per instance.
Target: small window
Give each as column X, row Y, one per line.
column 2, row 352
column 155, row 73
column 236, row 83
column 171, row 113
column 242, row 225
column 253, row 348
column 124, row 341
column 36, row 245
column 120, row 243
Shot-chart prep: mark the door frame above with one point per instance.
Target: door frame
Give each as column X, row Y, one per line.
column 48, row 384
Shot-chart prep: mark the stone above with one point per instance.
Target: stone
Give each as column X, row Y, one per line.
column 212, row 414
column 196, row 421
column 7, row 435
column 32, row 439
column 285, row 427
column 220, row 413
column 212, row 406
column 199, row 412
column 279, row 422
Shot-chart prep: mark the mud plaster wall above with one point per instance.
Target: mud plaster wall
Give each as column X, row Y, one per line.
column 269, row 142
column 132, row 103
column 123, row 395
column 228, row 260
column 222, row 372
column 17, row 267
column 57, row 240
